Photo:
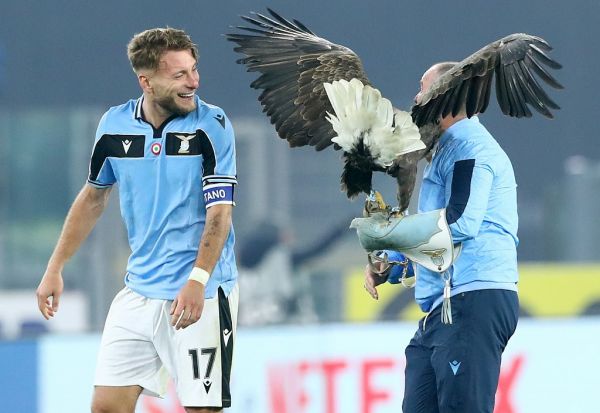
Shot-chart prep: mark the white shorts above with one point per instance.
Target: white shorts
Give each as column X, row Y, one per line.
column 140, row 347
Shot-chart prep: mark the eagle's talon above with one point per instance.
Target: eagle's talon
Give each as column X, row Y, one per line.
column 375, row 204
column 395, row 212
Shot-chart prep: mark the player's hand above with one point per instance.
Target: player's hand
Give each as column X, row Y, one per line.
column 48, row 293
column 372, row 280
column 187, row 306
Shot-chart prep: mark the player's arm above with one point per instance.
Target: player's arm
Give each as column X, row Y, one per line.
column 187, row 307
column 216, row 231
column 218, row 182
column 85, row 211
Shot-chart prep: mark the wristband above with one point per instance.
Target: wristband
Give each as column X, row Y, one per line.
column 200, row 275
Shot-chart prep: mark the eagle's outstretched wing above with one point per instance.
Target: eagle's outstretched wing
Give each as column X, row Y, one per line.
column 515, row 61
column 294, row 63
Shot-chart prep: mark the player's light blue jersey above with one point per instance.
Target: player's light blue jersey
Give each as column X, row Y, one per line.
column 167, row 177
column 471, row 176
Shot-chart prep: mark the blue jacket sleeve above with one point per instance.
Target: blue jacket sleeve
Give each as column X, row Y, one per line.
column 468, row 183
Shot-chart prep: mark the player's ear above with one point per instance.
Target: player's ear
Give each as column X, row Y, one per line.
column 144, row 81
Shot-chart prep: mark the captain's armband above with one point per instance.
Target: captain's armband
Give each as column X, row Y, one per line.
column 219, row 193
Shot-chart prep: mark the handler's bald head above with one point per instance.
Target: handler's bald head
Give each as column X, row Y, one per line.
column 431, row 75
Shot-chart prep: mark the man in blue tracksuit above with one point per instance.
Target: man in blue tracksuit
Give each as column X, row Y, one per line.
column 455, row 367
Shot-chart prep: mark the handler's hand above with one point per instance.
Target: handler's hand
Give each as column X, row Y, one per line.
column 372, row 280
column 48, row 293
column 188, row 305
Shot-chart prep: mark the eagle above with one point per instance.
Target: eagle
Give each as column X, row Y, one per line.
column 316, row 92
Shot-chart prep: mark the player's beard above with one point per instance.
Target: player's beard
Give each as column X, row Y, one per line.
column 169, row 104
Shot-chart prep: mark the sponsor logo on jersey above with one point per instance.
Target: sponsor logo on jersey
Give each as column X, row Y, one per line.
column 126, row 145
column 221, row 119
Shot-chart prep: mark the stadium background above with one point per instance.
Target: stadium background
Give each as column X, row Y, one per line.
column 304, row 315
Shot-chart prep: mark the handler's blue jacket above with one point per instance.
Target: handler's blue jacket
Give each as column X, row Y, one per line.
column 471, row 176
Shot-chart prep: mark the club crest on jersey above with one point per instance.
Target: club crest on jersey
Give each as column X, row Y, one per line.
column 155, row 148
column 184, row 146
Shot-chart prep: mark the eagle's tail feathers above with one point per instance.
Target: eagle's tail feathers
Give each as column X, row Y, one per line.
column 358, row 108
column 361, row 113
column 405, row 138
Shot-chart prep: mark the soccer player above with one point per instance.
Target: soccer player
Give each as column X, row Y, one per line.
column 454, row 367
column 173, row 158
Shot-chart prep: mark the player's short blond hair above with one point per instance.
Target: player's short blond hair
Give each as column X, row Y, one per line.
column 146, row 48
